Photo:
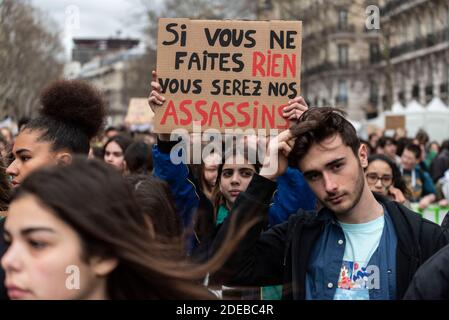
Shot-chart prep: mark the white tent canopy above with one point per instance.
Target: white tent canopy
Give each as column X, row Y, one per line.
column 437, row 105
column 397, row 108
column 414, row 106
column 434, row 118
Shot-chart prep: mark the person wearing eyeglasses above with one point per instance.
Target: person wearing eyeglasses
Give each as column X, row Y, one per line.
column 384, row 177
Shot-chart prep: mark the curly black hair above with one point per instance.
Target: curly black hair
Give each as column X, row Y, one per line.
column 72, row 113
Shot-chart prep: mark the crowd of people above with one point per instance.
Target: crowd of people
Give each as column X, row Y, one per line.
column 333, row 220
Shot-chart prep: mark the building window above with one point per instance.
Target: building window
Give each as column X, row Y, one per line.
column 401, row 98
column 374, row 52
column 374, row 93
column 342, row 92
column 343, row 19
column 444, row 91
column 447, row 16
column 415, row 92
column 418, row 33
column 343, row 51
column 431, row 23
column 429, row 93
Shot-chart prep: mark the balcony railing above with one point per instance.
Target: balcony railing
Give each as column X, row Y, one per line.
column 421, row 43
column 324, row 67
column 331, row 30
column 393, row 5
column 335, row 66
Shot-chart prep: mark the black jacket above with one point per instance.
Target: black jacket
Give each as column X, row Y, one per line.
column 439, row 165
column 431, row 281
column 281, row 255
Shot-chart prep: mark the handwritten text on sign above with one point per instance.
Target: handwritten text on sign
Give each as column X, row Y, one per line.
column 227, row 74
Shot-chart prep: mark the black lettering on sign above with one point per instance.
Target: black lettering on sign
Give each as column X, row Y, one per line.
column 183, row 86
column 236, row 87
column 282, row 40
column 282, row 89
column 171, row 29
column 227, row 37
column 178, row 58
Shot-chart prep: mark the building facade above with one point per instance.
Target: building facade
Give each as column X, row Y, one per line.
column 364, row 70
column 419, row 49
column 85, row 50
column 338, row 54
column 109, row 70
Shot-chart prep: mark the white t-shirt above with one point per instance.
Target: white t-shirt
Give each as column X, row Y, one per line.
column 362, row 241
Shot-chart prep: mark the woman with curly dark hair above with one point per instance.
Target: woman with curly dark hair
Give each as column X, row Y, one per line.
column 72, row 114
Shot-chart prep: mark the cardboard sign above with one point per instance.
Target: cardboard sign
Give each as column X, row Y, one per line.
column 394, row 122
column 139, row 112
column 227, row 74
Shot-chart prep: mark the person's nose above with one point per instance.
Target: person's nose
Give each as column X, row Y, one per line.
column 11, row 261
column 235, row 179
column 379, row 184
column 329, row 183
column 109, row 158
column 12, row 169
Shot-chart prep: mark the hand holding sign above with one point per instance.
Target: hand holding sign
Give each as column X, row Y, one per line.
column 295, row 109
column 156, row 100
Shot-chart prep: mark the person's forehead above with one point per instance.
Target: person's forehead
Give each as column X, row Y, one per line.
column 379, row 166
column 237, row 165
column 113, row 146
column 29, row 140
column 320, row 154
column 27, row 211
column 409, row 153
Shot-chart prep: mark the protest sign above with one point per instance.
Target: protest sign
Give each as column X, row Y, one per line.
column 394, row 122
column 139, row 112
column 227, row 74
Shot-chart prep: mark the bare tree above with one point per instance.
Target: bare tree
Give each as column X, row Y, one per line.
column 28, row 57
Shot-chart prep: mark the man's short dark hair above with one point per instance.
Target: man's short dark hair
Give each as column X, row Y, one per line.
column 444, row 145
column 415, row 149
column 317, row 124
column 384, row 141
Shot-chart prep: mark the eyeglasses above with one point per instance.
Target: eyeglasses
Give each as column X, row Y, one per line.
column 386, row 180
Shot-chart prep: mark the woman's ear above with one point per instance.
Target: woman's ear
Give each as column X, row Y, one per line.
column 64, row 158
column 102, row 266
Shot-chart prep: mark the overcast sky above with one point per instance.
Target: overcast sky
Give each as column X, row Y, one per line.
column 94, row 18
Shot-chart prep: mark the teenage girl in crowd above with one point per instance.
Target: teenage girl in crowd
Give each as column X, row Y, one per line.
column 383, row 176
column 114, row 152
column 50, row 244
column 72, row 114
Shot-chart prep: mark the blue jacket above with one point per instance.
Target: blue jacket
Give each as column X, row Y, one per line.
column 292, row 193
column 177, row 176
